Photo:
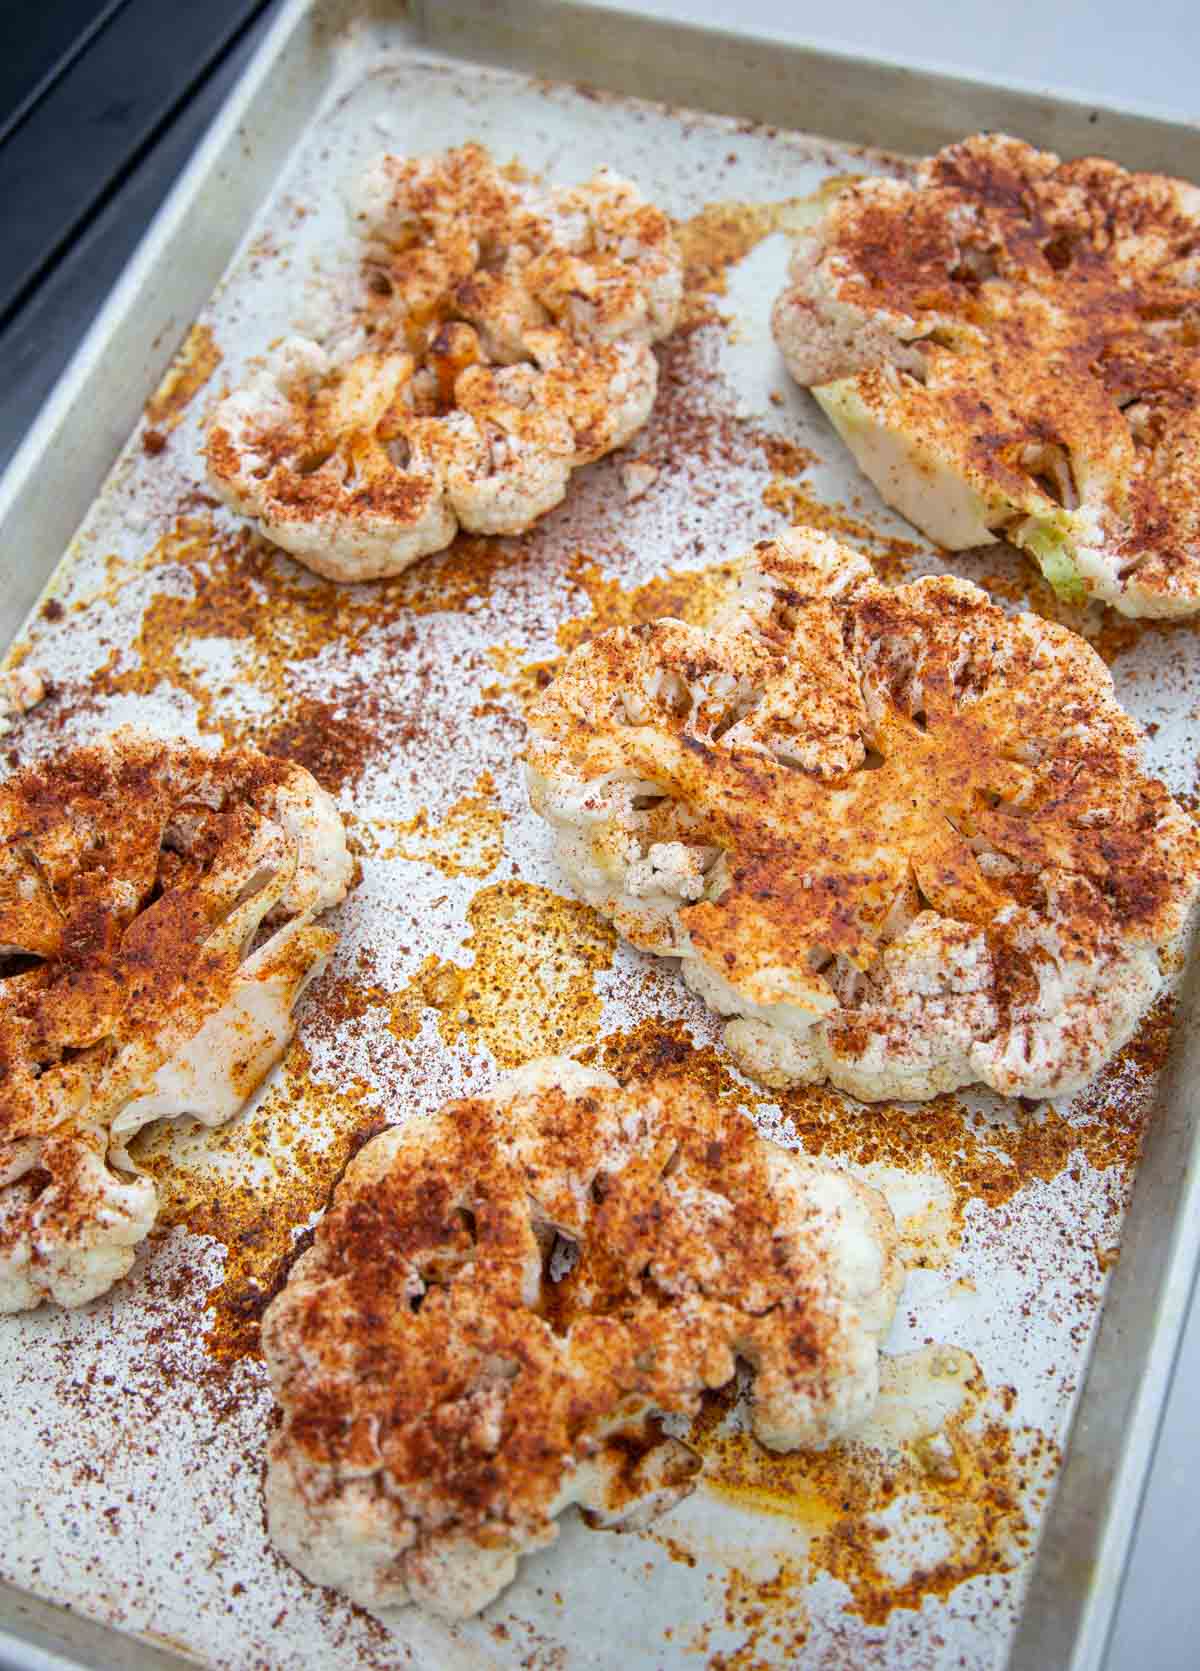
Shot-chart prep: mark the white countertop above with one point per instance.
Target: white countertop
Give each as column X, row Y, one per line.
column 1123, row 55
column 1118, row 53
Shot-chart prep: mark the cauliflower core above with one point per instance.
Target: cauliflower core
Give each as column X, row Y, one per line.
column 157, row 909
column 901, row 836
column 1009, row 345
column 502, row 1296
column 506, row 343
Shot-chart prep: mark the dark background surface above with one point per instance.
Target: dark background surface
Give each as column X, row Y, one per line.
column 102, row 102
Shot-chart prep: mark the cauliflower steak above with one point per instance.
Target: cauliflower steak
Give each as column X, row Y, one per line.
column 901, row 837
column 1010, row 345
column 505, row 343
column 502, row 1295
column 157, row 909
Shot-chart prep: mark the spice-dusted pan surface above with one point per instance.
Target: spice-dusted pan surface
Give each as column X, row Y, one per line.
column 133, row 1432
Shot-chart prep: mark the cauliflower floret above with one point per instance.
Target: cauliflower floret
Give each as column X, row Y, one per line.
column 21, row 688
column 136, row 878
column 1005, row 346
column 670, row 871
column 548, row 1073
column 612, row 270
column 901, row 838
column 530, row 451
column 638, row 477
column 70, row 1222
column 319, row 456
column 509, row 331
column 501, row 1296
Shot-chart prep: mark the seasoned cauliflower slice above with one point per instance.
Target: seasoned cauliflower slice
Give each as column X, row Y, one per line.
column 901, row 838
column 321, row 456
column 1007, row 345
column 506, row 341
column 502, row 1295
column 157, row 926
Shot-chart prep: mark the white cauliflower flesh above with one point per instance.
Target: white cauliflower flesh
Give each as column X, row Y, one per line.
column 902, row 839
column 501, row 1296
column 157, row 926
column 509, row 330
column 1008, row 347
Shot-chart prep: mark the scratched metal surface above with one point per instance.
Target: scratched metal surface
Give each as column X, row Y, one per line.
column 132, row 1432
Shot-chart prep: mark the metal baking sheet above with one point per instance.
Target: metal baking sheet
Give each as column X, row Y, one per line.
column 132, row 1433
